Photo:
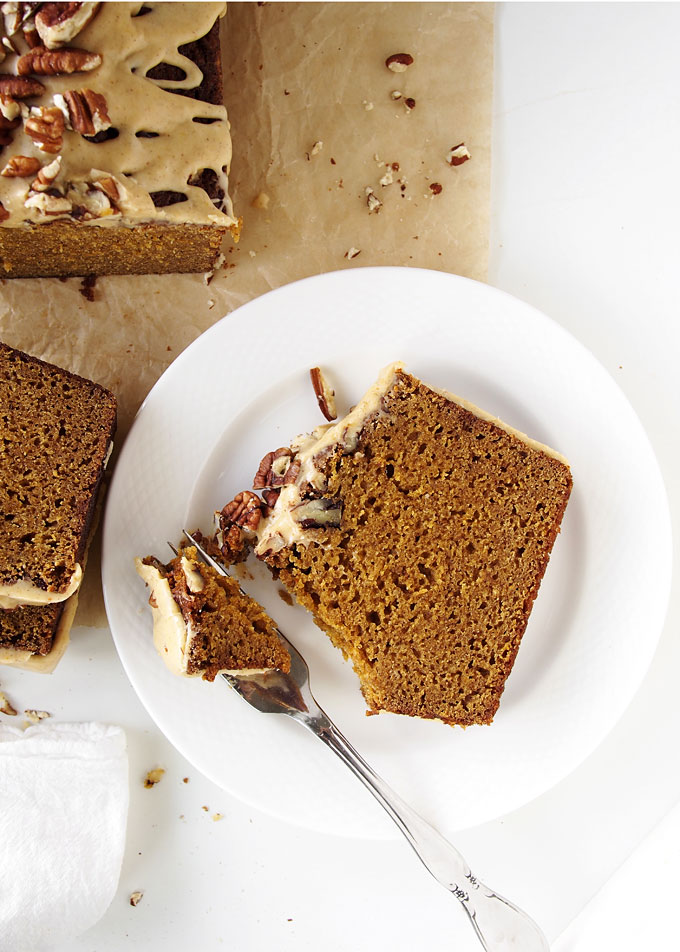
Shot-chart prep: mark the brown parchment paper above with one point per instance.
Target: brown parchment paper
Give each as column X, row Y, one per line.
column 314, row 125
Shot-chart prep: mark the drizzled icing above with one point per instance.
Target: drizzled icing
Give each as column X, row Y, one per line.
column 130, row 46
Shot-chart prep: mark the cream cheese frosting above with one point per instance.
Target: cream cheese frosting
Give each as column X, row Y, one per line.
column 170, row 631
column 164, row 140
column 25, row 592
column 282, row 527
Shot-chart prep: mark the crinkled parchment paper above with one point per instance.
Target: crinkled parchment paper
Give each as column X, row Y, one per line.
column 314, row 125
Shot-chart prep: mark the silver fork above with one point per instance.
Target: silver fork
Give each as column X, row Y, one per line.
column 500, row 926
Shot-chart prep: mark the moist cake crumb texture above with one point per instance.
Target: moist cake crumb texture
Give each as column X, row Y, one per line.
column 56, row 433
column 447, row 525
column 226, row 630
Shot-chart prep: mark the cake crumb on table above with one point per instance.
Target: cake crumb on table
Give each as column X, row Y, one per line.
column 5, row 706
column 154, row 776
column 135, row 897
column 34, row 716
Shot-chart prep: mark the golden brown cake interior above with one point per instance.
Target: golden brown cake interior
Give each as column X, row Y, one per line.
column 224, row 629
column 448, row 520
column 57, row 430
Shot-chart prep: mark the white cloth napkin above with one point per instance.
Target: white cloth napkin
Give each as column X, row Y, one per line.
column 63, row 812
column 637, row 908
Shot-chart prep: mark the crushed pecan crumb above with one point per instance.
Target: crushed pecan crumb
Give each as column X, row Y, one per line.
column 87, row 287
column 436, row 188
column 34, row 716
column 135, row 897
column 352, row 252
column 372, row 200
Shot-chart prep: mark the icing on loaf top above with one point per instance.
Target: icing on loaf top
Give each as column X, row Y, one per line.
column 87, row 136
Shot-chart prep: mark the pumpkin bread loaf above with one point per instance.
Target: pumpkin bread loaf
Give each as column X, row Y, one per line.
column 114, row 140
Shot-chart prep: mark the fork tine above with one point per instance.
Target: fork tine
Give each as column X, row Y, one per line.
column 296, row 657
column 205, row 555
column 173, row 548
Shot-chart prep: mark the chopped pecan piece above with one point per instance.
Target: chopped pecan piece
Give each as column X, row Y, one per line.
column 4, row 214
column 9, row 109
column 43, row 62
column 323, row 513
column 270, row 497
column 20, row 166
column 45, row 125
column 59, row 23
column 273, row 469
column 107, row 184
column 325, row 395
column 19, row 87
column 50, row 202
column 458, row 154
column 46, row 176
column 399, row 62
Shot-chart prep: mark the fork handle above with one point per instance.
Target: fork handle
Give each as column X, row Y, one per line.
column 500, row 926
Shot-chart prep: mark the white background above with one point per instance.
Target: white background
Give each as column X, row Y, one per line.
column 586, row 203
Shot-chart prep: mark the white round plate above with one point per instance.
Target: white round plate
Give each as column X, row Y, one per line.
column 243, row 389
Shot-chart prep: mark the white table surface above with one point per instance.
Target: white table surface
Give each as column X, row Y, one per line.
column 585, row 204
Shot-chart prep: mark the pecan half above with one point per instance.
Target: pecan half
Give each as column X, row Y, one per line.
column 84, row 111
column 20, row 87
column 43, row 62
column 325, row 395
column 245, row 510
column 45, row 125
column 273, row 470
column 21, row 166
column 59, row 23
